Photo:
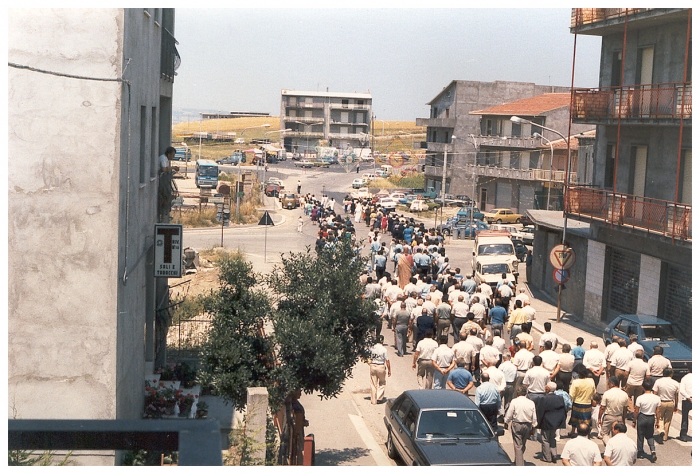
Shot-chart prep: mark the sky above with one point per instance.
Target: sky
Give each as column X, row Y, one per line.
column 241, row 59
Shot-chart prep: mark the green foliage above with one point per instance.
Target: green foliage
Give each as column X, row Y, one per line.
column 322, row 324
column 189, row 308
column 18, row 457
column 143, row 457
column 237, row 353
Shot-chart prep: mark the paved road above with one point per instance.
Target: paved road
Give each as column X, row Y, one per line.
column 348, row 429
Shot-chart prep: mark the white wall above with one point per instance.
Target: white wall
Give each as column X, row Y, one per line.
column 649, row 282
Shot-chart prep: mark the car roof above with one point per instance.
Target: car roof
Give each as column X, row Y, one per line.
column 644, row 319
column 431, row 399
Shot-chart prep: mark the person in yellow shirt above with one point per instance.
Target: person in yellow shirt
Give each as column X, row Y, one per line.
column 581, row 392
column 516, row 320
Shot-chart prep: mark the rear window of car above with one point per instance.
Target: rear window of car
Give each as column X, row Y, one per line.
column 452, row 424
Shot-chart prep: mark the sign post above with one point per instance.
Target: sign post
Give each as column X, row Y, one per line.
column 168, row 251
column 266, row 220
column 562, row 259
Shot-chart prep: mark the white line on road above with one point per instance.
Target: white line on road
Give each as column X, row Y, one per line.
column 374, row 449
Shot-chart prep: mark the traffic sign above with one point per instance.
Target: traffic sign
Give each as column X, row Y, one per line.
column 561, row 276
column 562, row 257
column 266, row 219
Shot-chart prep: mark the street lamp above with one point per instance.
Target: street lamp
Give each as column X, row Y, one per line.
column 444, row 176
column 551, row 164
column 517, row 119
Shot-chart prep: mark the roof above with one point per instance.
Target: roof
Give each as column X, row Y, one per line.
column 560, row 144
column 530, row 107
column 645, row 319
column 430, row 399
column 348, row 95
column 555, row 220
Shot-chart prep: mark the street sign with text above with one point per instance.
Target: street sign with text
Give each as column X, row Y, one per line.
column 168, row 251
column 562, row 257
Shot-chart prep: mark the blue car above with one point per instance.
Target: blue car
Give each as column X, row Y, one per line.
column 652, row 331
column 461, row 225
column 464, row 211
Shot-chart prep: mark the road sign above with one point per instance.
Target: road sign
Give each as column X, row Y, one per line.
column 168, row 251
column 562, row 257
column 561, row 276
column 266, row 219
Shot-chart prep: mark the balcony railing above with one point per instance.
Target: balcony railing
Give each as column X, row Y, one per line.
column 198, row 442
column 289, row 118
column 169, row 57
column 532, row 174
column 509, row 142
column 304, row 134
column 304, row 105
column 335, row 105
column 639, row 102
column 586, row 16
column 436, row 122
column 666, row 218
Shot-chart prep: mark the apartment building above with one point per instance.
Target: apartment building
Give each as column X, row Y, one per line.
column 334, row 119
column 639, row 251
column 515, row 166
column 89, row 111
column 450, row 116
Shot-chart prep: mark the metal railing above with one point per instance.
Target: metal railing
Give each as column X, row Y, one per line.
column 667, row 218
column 198, row 442
column 637, row 102
column 586, row 16
column 337, row 105
column 186, row 337
column 169, row 57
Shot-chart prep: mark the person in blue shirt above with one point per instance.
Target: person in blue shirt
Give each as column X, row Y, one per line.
column 578, row 352
column 488, row 399
column 469, row 285
column 458, row 275
column 460, row 379
column 498, row 315
column 380, row 264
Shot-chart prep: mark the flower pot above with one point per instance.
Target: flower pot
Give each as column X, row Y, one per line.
column 202, row 413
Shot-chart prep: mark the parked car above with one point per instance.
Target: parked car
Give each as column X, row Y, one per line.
column 528, row 234
column 388, row 204
column 304, row 164
column 501, row 215
column 464, row 211
column 235, row 158
column 520, row 249
column 653, row 331
column 441, row 427
column 239, row 141
column 276, row 181
column 525, row 220
column 290, row 201
column 370, row 176
column 272, row 190
column 454, row 222
column 357, row 183
column 514, row 231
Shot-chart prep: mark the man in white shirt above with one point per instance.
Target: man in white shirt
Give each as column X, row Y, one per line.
column 550, row 359
column 536, row 379
column 489, row 355
column 380, row 368
column 634, row 346
column 667, row 389
column 620, row 450
column 510, row 373
column 646, row 411
column 548, row 336
column 522, row 296
column 608, row 353
column 594, row 360
column 639, row 371
column 529, row 311
column 581, row 451
column 620, row 361
column 522, row 415
column 498, row 342
column 657, row 364
column 422, row 360
column 464, row 350
column 613, row 409
column 443, row 361
column 523, row 362
column 686, row 394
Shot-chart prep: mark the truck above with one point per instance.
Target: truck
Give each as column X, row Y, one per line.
column 495, row 243
column 426, row 193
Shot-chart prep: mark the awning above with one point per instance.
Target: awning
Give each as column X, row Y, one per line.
column 254, row 150
column 271, row 148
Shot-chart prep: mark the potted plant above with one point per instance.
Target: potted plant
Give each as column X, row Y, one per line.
column 160, row 400
column 185, row 402
column 202, row 410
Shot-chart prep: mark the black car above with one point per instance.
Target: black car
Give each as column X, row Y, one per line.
column 653, row 331
column 526, row 220
column 441, row 427
column 520, row 249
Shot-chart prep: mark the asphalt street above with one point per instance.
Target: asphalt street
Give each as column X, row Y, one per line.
column 349, row 430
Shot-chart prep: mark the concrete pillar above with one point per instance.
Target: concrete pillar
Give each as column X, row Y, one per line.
column 595, row 277
column 256, row 421
column 649, row 282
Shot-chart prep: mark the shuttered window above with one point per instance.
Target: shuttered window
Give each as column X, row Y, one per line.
column 677, row 301
column 623, row 281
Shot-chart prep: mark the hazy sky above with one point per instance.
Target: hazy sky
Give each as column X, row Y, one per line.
column 241, row 59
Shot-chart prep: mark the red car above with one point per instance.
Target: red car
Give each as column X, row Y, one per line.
column 272, row 190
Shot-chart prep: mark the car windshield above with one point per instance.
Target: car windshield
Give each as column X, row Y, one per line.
column 496, row 249
column 659, row 331
column 494, row 268
column 210, row 171
column 289, row 196
column 452, row 424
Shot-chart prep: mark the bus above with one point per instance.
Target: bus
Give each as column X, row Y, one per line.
column 206, row 174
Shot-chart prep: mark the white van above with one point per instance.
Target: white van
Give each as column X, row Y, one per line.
column 495, row 243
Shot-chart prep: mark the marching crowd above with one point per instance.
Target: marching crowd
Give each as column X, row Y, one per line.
column 476, row 340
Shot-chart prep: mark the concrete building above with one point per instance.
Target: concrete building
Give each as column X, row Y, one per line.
column 450, row 116
column 513, row 168
column 638, row 202
column 89, row 111
column 334, row 119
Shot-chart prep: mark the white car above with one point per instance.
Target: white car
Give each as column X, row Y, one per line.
column 239, row 141
column 490, row 270
column 361, row 193
column 276, row 181
column 387, row 203
column 358, row 183
column 514, row 231
column 528, row 234
column 397, row 196
column 369, row 176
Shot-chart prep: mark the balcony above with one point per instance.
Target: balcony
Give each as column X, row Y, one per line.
column 599, row 21
column 292, row 119
column 526, row 143
column 437, row 171
column 655, row 216
column 440, row 147
column 304, row 134
column 304, row 105
column 533, row 174
column 351, row 136
column 335, row 105
column 437, row 122
column 169, row 57
column 642, row 104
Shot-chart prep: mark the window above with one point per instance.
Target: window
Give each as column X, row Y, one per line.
column 685, row 185
column 345, row 103
column 616, row 76
column 609, row 166
column 516, row 129
column 154, row 141
column 447, row 112
column 638, row 170
column 142, row 146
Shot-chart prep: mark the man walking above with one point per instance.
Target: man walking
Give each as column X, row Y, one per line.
column 380, row 368
column 443, row 361
column 523, row 415
column 581, row 451
column 686, row 393
column 646, row 411
column 422, row 359
column 551, row 415
column 620, row 450
column 613, row 408
column 488, row 399
column 460, row 379
column 667, row 389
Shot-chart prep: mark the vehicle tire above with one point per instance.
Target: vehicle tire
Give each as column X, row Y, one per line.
column 517, row 221
column 446, row 232
column 390, row 448
column 499, row 221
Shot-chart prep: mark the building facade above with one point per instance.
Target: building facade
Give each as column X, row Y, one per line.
column 639, row 202
column 515, row 168
column 450, row 116
column 334, row 119
column 89, row 111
